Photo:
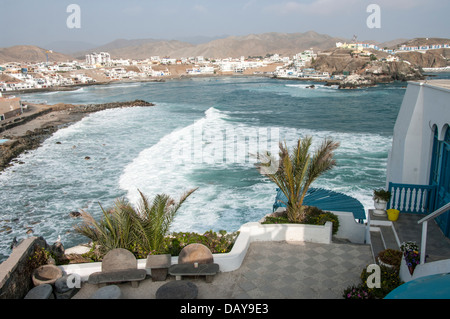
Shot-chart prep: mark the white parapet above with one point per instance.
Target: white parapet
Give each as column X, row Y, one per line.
column 248, row 233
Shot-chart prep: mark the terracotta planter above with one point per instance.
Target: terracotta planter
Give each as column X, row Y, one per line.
column 46, row 274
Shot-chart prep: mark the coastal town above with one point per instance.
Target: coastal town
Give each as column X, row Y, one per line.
column 102, row 68
column 346, row 66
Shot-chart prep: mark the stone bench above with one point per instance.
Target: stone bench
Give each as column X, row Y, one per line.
column 44, row 291
column 207, row 270
column 118, row 265
column 195, row 260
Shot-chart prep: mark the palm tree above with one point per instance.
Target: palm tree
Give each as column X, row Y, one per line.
column 126, row 227
column 294, row 173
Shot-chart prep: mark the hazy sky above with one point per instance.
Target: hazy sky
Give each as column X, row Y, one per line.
column 40, row 22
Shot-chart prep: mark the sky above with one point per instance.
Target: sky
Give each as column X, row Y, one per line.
column 41, row 22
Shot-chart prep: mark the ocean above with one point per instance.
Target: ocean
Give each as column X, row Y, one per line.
column 199, row 134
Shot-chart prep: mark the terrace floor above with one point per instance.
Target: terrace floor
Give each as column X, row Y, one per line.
column 295, row 270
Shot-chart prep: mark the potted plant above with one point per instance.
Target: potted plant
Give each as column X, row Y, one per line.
column 381, row 197
column 411, row 252
column 390, row 258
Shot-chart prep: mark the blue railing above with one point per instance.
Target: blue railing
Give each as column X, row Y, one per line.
column 408, row 198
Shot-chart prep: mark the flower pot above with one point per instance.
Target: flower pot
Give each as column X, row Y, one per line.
column 393, row 214
column 380, row 207
column 380, row 204
column 46, row 274
column 381, row 263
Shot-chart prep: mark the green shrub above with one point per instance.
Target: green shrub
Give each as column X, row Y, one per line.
column 221, row 242
column 391, row 257
column 314, row 216
column 390, row 280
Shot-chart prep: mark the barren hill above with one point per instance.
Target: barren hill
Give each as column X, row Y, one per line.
column 30, row 53
column 233, row 46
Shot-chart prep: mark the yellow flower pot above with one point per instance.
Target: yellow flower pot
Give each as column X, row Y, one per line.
column 392, row 214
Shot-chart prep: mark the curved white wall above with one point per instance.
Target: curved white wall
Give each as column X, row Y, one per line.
column 425, row 104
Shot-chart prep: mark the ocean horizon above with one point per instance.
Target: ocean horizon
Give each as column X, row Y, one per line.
column 201, row 133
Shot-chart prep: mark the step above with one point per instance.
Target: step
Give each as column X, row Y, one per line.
column 376, row 242
column 389, row 237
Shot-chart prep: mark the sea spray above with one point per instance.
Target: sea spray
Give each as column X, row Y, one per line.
column 139, row 148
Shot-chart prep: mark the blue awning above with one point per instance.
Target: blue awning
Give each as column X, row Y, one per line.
column 428, row 287
column 326, row 200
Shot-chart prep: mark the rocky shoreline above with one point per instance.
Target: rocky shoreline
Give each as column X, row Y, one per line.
column 56, row 116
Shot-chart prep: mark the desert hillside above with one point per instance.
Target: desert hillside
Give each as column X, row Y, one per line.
column 30, row 53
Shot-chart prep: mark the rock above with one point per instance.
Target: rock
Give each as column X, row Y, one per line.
column 179, row 289
column 62, row 290
column 356, row 80
column 108, row 292
column 43, row 291
column 57, row 249
column 75, row 214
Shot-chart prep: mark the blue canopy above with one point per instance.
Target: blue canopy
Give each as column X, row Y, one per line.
column 326, row 200
column 428, row 287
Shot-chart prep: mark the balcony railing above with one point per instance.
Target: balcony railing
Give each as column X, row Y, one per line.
column 409, row 198
column 424, row 222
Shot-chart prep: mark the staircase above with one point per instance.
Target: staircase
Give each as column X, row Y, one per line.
column 382, row 234
column 386, row 234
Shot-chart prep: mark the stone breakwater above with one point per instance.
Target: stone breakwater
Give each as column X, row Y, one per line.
column 65, row 114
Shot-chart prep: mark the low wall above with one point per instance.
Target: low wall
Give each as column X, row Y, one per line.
column 248, row 233
column 22, row 120
column 15, row 272
column 423, row 270
column 350, row 229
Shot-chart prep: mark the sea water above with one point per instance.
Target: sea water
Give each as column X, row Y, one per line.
column 200, row 134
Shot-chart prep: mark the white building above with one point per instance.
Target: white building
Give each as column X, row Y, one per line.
column 418, row 170
column 102, row 58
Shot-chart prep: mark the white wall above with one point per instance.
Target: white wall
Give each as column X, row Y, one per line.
column 424, row 105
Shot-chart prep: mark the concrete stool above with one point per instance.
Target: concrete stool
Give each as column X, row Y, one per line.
column 108, row 292
column 159, row 266
column 177, row 290
column 43, row 291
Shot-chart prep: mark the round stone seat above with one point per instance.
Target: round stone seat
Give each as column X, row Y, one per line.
column 108, row 292
column 179, row 289
column 43, row 291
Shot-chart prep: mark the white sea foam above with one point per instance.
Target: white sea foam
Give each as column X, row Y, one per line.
column 192, row 157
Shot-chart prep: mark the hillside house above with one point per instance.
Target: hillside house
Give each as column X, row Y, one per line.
column 10, row 107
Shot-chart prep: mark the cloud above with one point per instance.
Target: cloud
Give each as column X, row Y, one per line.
column 248, row 4
column 316, row 7
column 200, row 9
column 402, row 4
column 133, row 10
